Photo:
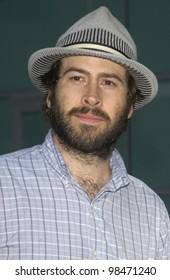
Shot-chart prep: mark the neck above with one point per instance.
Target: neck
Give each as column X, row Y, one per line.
column 89, row 171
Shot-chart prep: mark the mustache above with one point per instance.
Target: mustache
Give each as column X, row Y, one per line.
column 85, row 110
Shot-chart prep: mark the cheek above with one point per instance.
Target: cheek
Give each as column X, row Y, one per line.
column 68, row 97
column 67, row 102
column 113, row 106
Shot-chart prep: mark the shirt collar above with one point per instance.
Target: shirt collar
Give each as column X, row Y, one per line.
column 119, row 173
column 52, row 154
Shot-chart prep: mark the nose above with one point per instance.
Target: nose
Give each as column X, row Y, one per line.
column 92, row 96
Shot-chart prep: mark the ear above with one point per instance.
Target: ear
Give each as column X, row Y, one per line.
column 130, row 113
column 48, row 99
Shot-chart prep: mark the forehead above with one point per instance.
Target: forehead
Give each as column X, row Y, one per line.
column 91, row 64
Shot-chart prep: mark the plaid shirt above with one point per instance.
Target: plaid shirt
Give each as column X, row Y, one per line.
column 45, row 214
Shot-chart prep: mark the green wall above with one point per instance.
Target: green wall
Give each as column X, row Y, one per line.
column 26, row 26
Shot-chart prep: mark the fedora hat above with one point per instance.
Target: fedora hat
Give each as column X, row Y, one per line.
column 97, row 34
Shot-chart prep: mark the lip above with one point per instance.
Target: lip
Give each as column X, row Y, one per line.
column 89, row 119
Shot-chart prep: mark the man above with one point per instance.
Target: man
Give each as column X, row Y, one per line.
column 71, row 197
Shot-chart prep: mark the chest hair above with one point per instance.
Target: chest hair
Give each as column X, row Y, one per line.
column 90, row 187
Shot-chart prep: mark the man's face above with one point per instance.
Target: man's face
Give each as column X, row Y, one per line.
column 89, row 109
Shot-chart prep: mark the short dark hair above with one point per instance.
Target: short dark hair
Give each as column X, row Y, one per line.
column 50, row 81
column 134, row 94
column 50, row 78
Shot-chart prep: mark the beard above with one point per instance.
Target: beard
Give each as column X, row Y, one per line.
column 87, row 139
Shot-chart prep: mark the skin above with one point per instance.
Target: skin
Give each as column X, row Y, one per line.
column 97, row 84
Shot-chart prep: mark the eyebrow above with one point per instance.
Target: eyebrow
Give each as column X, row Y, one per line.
column 75, row 69
column 110, row 75
column 101, row 75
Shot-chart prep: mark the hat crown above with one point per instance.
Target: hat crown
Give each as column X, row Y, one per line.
column 102, row 28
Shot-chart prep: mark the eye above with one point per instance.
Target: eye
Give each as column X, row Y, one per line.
column 76, row 78
column 109, row 83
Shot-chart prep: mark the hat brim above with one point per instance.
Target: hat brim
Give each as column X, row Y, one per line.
column 41, row 62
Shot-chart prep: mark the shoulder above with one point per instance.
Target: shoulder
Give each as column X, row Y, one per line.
column 20, row 153
column 139, row 187
column 146, row 196
column 19, row 158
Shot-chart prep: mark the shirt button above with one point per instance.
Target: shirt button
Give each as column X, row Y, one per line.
column 95, row 254
column 65, row 182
